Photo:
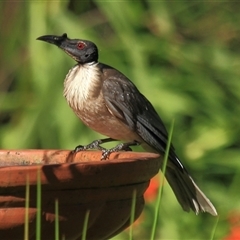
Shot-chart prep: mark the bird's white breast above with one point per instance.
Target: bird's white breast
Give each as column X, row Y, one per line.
column 82, row 90
column 82, row 85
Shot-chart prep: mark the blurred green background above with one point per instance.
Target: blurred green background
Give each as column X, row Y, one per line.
column 184, row 57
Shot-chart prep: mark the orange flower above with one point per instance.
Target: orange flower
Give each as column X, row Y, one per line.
column 152, row 191
column 234, row 234
column 234, row 220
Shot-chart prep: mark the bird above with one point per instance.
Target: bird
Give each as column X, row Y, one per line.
column 109, row 103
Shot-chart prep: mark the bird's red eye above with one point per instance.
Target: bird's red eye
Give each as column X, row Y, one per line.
column 81, row 45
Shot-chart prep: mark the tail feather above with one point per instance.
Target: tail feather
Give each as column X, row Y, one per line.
column 185, row 189
column 187, row 192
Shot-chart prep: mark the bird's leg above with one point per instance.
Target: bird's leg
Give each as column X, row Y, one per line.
column 93, row 145
column 120, row 147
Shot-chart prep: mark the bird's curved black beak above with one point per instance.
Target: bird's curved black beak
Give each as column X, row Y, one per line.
column 56, row 40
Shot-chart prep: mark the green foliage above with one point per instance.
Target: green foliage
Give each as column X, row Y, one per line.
column 182, row 55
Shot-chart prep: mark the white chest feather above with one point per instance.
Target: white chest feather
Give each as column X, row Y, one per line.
column 82, row 84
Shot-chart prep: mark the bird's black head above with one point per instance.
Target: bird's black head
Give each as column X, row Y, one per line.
column 82, row 51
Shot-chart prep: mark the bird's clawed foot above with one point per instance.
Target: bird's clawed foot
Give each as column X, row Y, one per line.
column 119, row 147
column 93, row 145
column 106, row 152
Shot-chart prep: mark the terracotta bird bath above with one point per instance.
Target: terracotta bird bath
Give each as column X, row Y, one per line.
column 80, row 182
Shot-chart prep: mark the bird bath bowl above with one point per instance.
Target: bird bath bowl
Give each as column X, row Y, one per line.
column 80, row 183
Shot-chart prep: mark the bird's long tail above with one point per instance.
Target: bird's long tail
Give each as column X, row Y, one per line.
column 187, row 192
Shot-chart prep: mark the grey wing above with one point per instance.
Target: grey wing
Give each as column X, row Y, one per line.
column 124, row 100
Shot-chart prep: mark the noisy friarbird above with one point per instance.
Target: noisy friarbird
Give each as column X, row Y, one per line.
column 109, row 103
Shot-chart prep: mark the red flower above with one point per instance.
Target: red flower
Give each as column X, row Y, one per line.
column 234, row 220
column 152, row 191
column 234, row 234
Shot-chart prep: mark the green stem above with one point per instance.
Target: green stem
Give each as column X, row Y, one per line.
column 162, row 177
column 38, row 217
column 56, row 220
column 26, row 225
column 85, row 224
column 133, row 208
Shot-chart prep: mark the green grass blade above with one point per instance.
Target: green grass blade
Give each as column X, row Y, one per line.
column 214, row 229
column 56, row 220
column 133, row 208
column 162, row 177
column 38, row 217
column 85, row 224
column 26, row 220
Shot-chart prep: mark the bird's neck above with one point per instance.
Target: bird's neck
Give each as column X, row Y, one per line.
column 82, row 84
